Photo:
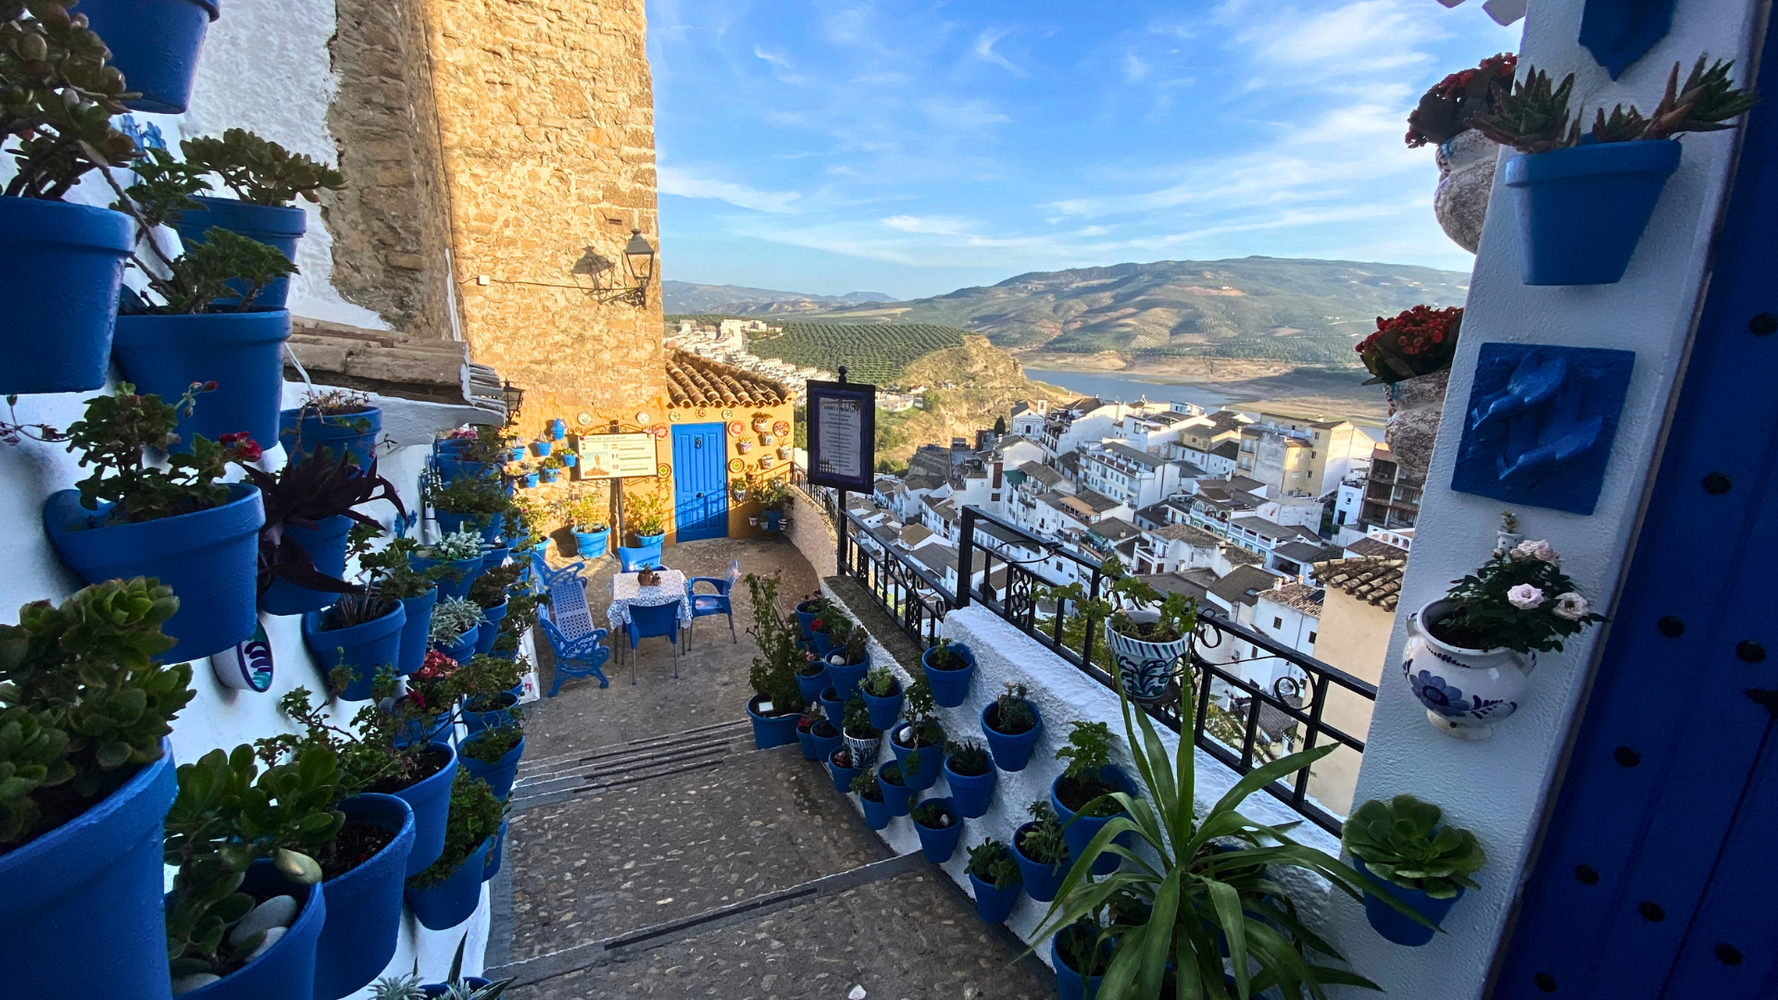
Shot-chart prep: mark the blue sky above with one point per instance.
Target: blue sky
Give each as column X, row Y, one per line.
column 913, row 147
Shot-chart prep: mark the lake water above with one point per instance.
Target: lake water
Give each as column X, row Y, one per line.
column 1128, row 388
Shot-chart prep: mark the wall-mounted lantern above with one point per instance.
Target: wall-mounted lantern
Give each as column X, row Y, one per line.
column 639, row 258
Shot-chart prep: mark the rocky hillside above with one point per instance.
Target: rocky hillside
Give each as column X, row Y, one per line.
column 984, row 383
column 685, row 297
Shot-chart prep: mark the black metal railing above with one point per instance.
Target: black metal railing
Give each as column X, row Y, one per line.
column 1237, row 720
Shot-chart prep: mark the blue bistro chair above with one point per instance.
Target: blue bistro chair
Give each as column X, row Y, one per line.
column 545, row 579
column 654, row 620
column 641, row 557
column 582, row 657
column 719, row 603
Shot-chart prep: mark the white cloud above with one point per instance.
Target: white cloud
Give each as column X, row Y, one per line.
column 961, row 114
column 782, row 70
column 984, row 50
column 1134, row 68
column 689, row 183
column 935, row 225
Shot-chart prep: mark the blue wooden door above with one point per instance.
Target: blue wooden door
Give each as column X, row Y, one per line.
column 700, row 491
column 1655, row 880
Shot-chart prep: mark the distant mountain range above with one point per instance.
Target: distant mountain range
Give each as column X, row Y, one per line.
column 739, row 300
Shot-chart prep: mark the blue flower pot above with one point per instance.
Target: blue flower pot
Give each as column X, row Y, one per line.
column 274, row 225
column 531, row 480
column 1069, row 984
column 822, row 642
column 847, row 678
column 1011, row 752
column 591, row 544
column 547, row 475
column 834, row 707
column 326, row 545
column 363, row 649
column 488, row 631
column 772, row 520
column 463, row 648
column 242, row 352
column 1395, row 926
column 456, row 576
column 883, row 711
column 495, row 557
column 770, row 731
column 451, row 467
column 62, row 266
column 500, row 774
column 570, row 460
column 440, row 727
column 558, row 429
column 155, row 44
column 644, row 541
column 496, row 711
column 415, row 630
column 938, row 843
column 949, row 687
column 430, row 798
column 442, row 989
column 991, row 904
column 454, row 900
column 1582, row 210
column 826, row 745
column 876, row 813
column 806, row 742
column 1042, row 880
column 973, row 792
column 450, row 522
column 842, row 776
column 287, row 969
column 898, row 799
column 364, row 912
column 96, row 877
column 931, row 761
column 493, row 863
column 210, row 559
column 542, row 448
column 805, row 618
column 305, row 435
column 811, row 687
column 1080, row 830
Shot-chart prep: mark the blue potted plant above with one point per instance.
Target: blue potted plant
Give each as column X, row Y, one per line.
column 882, row 697
column 309, row 509
column 1080, row 953
column 949, row 667
column 80, row 823
column 353, row 640
column 363, row 891
column 970, row 772
column 1583, row 199
column 1406, row 851
column 919, row 743
column 557, row 429
column 834, row 708
column 807, row 610
column 647, row 512
column 456, row 621
column 939, row 827
column 447, row 892
column 61, row 264
column 994, row 877
column 493, row 755
column 1082, row 794
column 773, row 496
column 1041, row 850
column 870, row 799
column 812, row 678
column 839, row 765
column 848, row 662
column 823, row 734
column 805, row 737
column 156, row 44
column 333, row 422
column 1011, row 724
column 455, row 560
column 896, row 796
column 776, row 705
column 179, row 524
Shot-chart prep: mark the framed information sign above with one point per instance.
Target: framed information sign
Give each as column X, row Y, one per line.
column 842, row 435
column 616, row 456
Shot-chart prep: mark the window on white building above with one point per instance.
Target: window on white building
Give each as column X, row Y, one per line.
column 1277, row 623
column 1311, row 638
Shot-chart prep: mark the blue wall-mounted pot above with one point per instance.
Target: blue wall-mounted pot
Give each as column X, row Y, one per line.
column 454, row 900
column 305, row 435
column 500, row 774
column 364, row 904
column 1582, row 210
column 62, row 266
column 326, row 545
column 274, row 225
column 286, row 971
column 155, row 44
column 430, row 799
column 363, row 649
column 243, row 353
column 415, row 631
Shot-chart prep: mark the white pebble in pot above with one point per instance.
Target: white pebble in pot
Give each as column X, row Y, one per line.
column 271, row 938
column 185, row 984
column 279, row 911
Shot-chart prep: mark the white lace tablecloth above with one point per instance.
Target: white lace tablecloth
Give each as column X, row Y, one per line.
column 625, row 591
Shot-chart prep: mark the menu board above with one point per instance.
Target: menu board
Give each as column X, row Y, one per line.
column 616, row 456
column 842, row 434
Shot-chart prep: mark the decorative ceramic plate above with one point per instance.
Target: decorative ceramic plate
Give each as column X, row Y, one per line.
column 735, row 428
column 675, row 415
column 781, row 428
column 735, row 465
column 659, row 430
column 665, row 471
column 728, row 414
column 642, row 417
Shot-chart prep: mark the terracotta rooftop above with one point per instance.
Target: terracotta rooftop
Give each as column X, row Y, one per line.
column 695, row 381
column 1297, row 597
column 1371, row 579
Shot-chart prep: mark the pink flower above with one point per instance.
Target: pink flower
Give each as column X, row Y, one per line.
column 1539, row 550
column 1571, row 606
column 1525, row 597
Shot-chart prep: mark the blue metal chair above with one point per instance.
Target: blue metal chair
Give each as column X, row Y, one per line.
column 641, row 557
column 582, row 657
column 719, row 603
column 653, row 620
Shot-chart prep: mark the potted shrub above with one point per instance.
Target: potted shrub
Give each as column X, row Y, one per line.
column 468, row 452
column 455, row 624
column 447, row 893
column 824, row 734
column 1041, row 850
column 1401, row 844
column 936, row 821
column 354, row 639
column 247, row 907
column 1411, row 354
column 457, row 560
column 804, row 738
column 994, row 876
column 812, row 677
column 549, row 468
column 1148, row 635
column 388, row 571
column 949, row 666
column 1085, row 794
column 647, row 513
column 839, row 764
column 491, row 593
column 862, row 739
column 467, row 503
column 266, row 179
column 969, row 772
column 918, row 743
column 333, row 422
column 896, row 796
column 773, row 496
column 1209, row 880
column 493, row 755
column 828, row 622
column 179, row 524
column 870, row 799
column 85, row 794
column 585, row 516
column 61, row 263
column 489, row 686
column 309, row 508
column 1584, row 200
column 1011, row 724
column 1469, row 653
column 1465, row 156
column 776, row 703
column 882, row 697
column 201, row 320
column 849, row 661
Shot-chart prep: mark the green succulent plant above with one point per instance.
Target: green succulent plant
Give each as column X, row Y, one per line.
column 260, row 171
column 58, row 94
column 115, row 437
column 1534, row 116
column 992, row 862
column 1402, row 842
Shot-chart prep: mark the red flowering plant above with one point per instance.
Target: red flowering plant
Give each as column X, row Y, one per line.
column 114, row 436
column 1446, row 109
column 1419, row 341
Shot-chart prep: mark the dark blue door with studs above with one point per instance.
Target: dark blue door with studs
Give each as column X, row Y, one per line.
column 1656, row 877
column 700, row 495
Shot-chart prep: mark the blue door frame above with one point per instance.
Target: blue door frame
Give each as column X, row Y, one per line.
column 700, row 491
column 1655, row 878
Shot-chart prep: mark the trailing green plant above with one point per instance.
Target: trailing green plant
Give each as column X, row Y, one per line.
column 521, row 615
column 993, row 863
column 773, row 673
column 475, row 816
column 858, row 719
column 1012, row 711
column 491, row 589
column 58, row 95
column 921, row 712
column 115, row 436
column 489, row 745
column 367, row 752
column 1519, row 599
column 865, row 784
column 1045, row 843
column 1208, row 882
column 453, row 616
column 301, row 495
column 1086, row 946
column 934, row 815
column 387, row 570
column 1401, row 841
column 259, row 171
column 1087, row 754
column 881, row 682
column 457, row 546
column 1534, row 117
column 84, row 703
column 227, row 815
column 225, row 265
column 773, row 493
column 484, row 676
column 968, row 758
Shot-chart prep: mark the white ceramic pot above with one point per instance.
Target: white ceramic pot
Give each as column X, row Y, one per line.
column 1465, row 691
column 1147, row 669
column 1465, row 179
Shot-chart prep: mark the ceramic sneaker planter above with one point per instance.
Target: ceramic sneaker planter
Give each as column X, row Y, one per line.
column 938, row 843
column 770, row 730
column 973, row 793
column 276, row 226
column 1042, row 880
column 991, row 904
column 361, row 649
column 1582, row 210
column 326, row 545
column 1080, row 830
column 863, row 748
column 1393, row 925
column 500, row 774
column 883, row 711
column 930, row 763
column 96, row 877
column 449, row 903
column 430, row 799
column 155, row 44
column 61, row 265
column 364, row 904
column 286, row 970
column 1012, row 751
column 210, row 559
column 1465, row 691
column 416, row 631
column 897, row 798
column 305, row 435
column 949, row 685
column 1147, row 670
column 243, row 353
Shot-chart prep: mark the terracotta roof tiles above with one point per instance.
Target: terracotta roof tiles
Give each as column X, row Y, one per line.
column 1370, row 579
column 695, row 381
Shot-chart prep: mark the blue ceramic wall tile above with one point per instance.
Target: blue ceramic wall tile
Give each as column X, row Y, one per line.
column 1619, row 32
